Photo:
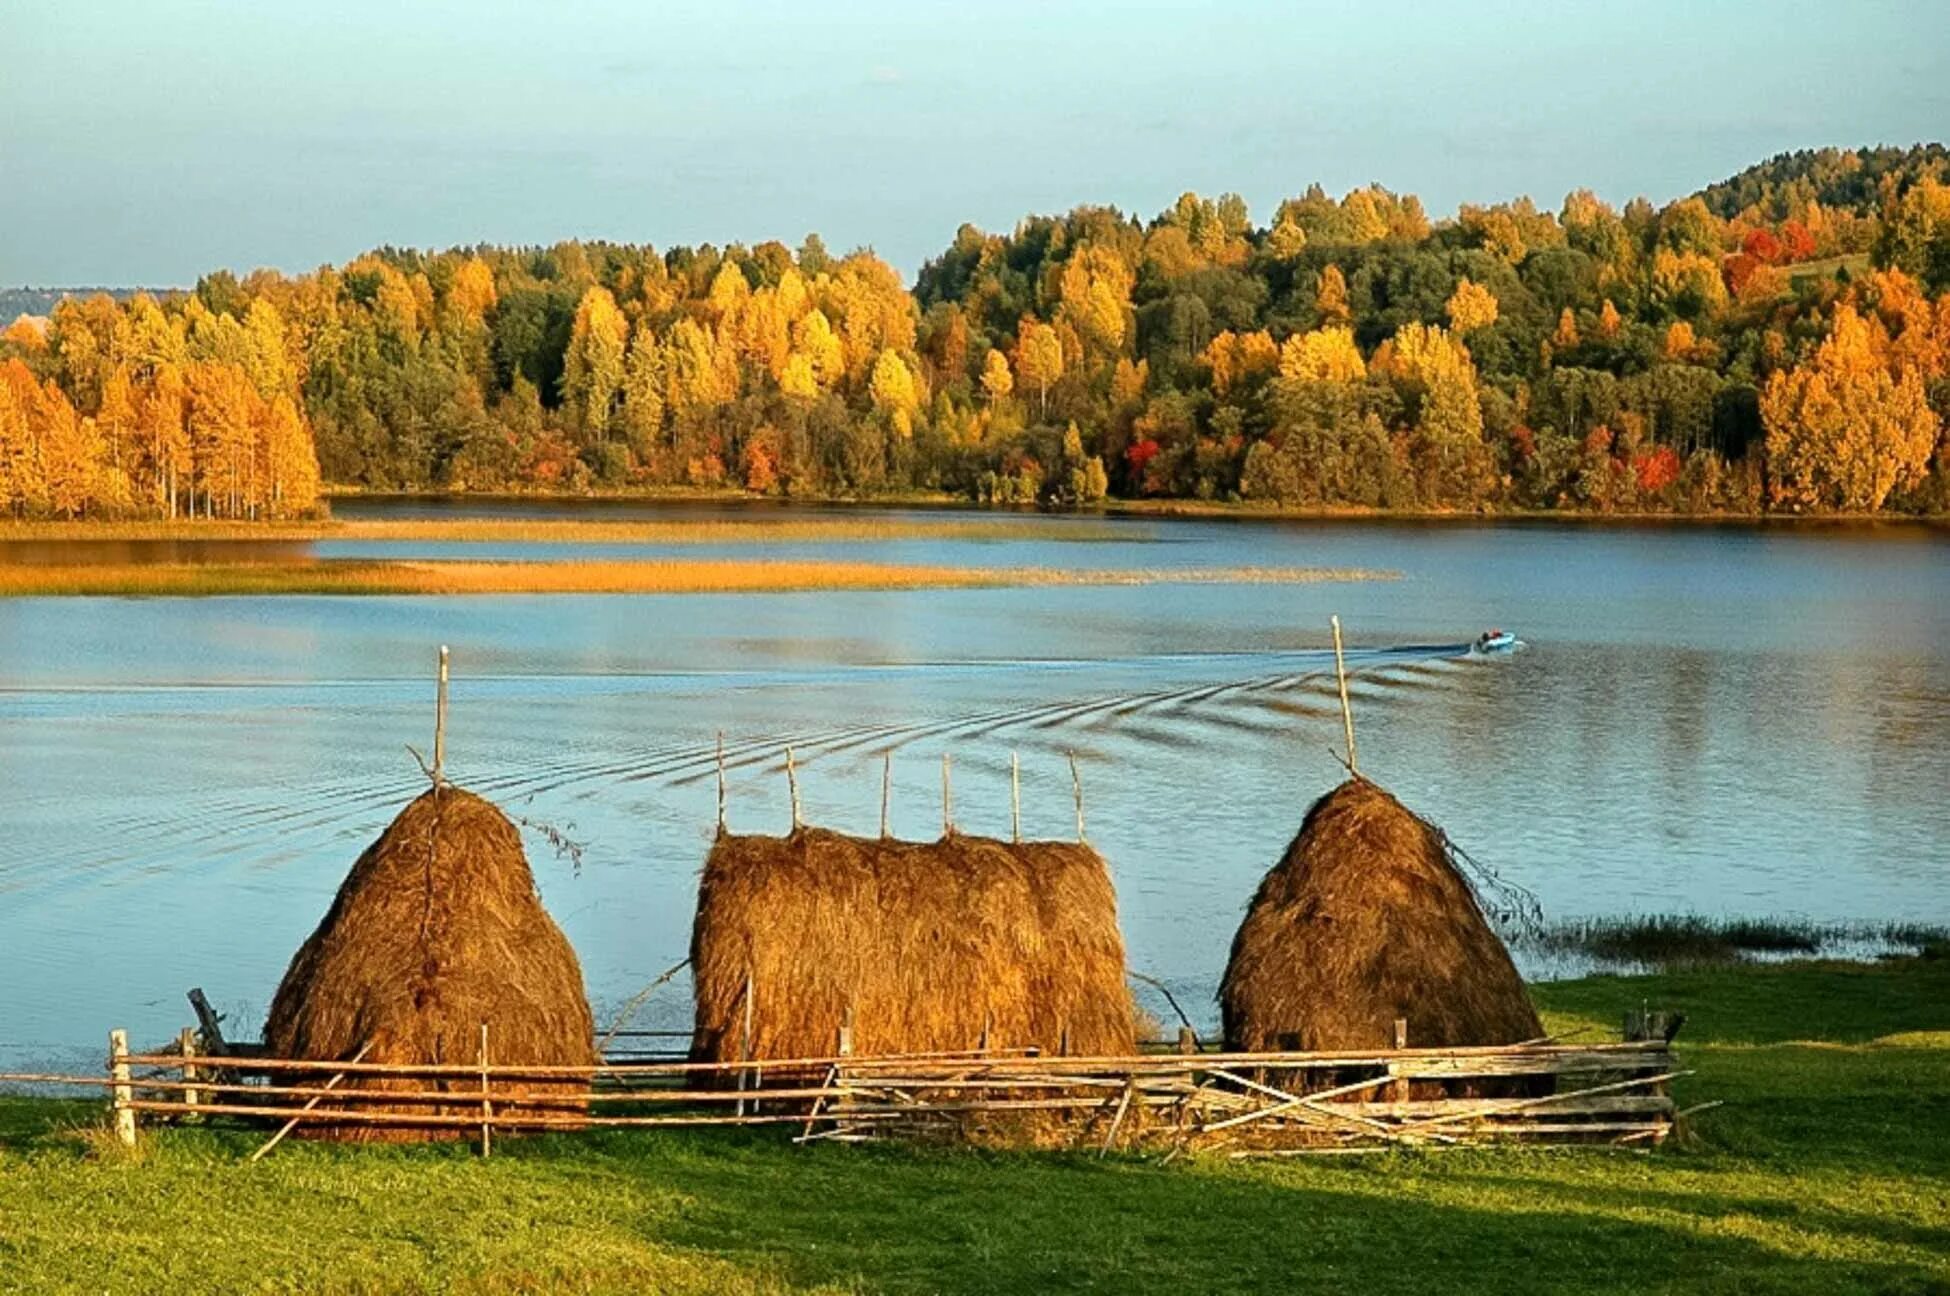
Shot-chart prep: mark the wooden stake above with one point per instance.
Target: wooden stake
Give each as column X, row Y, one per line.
column 720, row 782
column 1076, row 784
column 1123, row 1105
column 1347, row 711
column 440, row 723
column 186, row 1045
column 292, row 1124
column 1399, row 1091
column 1015, row 796
column 121, row 1096
column 886, row 788
column 947, row 799
column 487, row 1107
column 792, row 781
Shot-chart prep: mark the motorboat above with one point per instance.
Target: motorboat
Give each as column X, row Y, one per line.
column 1495, row 641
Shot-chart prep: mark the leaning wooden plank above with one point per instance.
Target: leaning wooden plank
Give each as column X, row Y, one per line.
column 310, row 1105
column 1530, row 1103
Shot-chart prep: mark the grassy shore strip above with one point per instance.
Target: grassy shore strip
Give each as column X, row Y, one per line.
column 1667, row 940
column 1824, row 1171
column 669, row 576
column 759, row 529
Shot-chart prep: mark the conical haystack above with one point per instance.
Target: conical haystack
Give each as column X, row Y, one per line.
column 923, row 947
column 1364, row 921
column 437, row 930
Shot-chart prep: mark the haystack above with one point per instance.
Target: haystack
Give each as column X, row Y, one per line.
column 1366, row 920
column 437, row 930
column 923, row 947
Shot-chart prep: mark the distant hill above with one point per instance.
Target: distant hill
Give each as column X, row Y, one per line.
column 1847, row 179
column 39, row 301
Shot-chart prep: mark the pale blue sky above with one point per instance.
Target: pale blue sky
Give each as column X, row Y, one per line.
column 150, row 140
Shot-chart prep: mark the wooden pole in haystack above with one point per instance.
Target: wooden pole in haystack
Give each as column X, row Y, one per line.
column 721, row 828
column 947, row 798
column 1015, row 797
column 886, row 788
column 440, row 723
column 1347, row 711
column 792, row 782
column 1076, row 785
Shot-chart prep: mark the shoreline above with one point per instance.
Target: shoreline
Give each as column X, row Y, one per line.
column 838, row 519
column 669, row 576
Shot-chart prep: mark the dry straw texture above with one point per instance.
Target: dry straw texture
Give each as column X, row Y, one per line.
column 436, row 930
column 931, row 947
column 1366, row 920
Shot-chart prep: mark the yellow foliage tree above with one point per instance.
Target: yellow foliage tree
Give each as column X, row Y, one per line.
column 1331, row 298
column 1437, row 380
column 1843, row 431
column 1471, row 307
column 798, row 380
column 1236, row 358
column 472, row 292
column 893, row 391
column 1039, row 358
column 1688, row 283
column 997, row 381
column 1324, row 355
column 813, row 337
column 70, row 454
column 592, row 366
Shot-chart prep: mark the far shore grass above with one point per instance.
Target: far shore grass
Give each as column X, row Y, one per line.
column 1827, row 1169
column 662, row 576
column 761, row 528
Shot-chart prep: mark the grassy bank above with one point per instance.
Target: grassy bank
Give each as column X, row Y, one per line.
column 1666, row 940
column 1826, row 1170
column 664, row 576
column 761, row 528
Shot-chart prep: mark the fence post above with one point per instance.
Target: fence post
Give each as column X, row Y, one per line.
column 1398, row 1090
column 1187, row 1040
column 122, row 1094
column 186, row 1045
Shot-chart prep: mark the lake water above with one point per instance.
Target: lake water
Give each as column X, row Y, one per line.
column 1727, row 720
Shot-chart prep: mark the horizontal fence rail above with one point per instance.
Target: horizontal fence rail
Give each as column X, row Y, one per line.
column 1241, row 1104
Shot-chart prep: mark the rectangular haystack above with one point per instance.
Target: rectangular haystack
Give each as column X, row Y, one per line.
column 923, row 947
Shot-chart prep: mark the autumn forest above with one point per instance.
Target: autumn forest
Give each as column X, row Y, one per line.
column 1778, row 342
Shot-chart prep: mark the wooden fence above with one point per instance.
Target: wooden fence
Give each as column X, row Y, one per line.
column 1243, row 1104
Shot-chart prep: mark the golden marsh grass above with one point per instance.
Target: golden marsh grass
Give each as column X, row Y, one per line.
column 664, row 576
column 758, row 530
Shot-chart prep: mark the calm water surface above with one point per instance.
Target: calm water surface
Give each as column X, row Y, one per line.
column 1723, row 720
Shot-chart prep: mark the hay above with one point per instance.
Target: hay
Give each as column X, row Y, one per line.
column 436, row 930
column 1363, row 921
column 927, row 947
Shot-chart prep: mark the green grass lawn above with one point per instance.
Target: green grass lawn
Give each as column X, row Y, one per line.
column 1827, row 1170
